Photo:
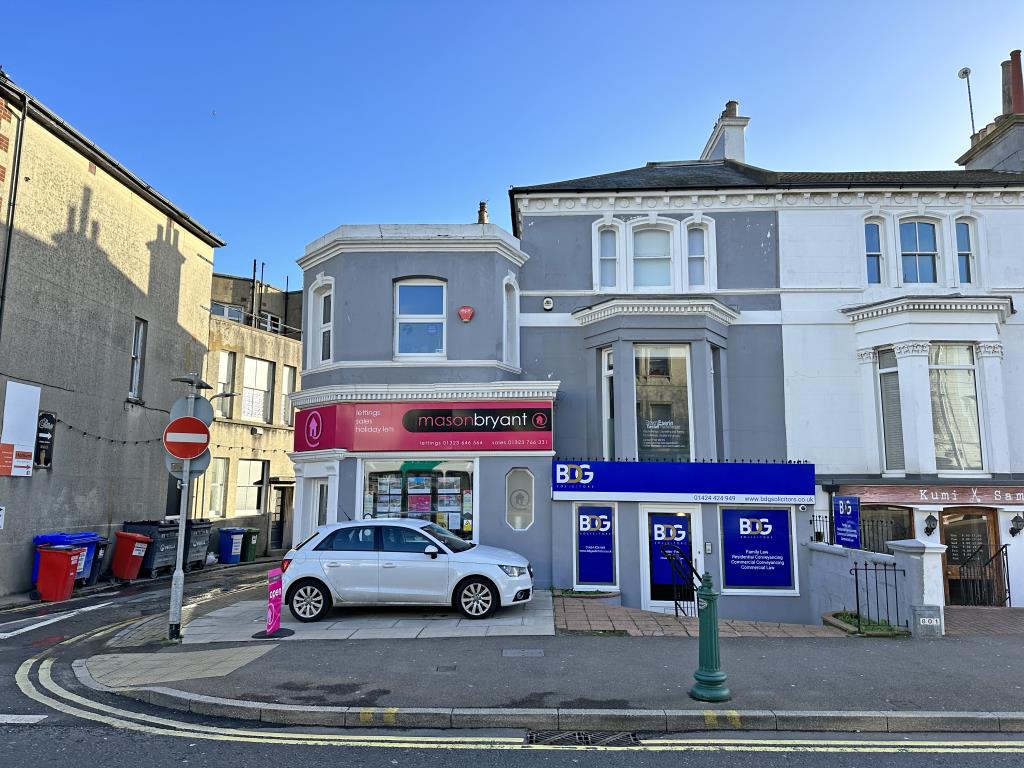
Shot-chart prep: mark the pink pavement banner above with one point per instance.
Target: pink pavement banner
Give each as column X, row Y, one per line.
column 273, row 601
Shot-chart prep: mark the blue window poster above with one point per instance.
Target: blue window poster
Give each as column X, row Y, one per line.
column 667, row 530
column 757, row 550
column 846, row 517
column 595, row 544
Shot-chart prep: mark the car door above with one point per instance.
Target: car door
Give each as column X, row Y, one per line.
column 350, row 562
column 406, row 574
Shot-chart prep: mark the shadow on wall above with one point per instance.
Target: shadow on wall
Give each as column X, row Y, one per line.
column 68, row 328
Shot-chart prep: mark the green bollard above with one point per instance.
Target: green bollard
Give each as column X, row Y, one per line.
column 710, row 678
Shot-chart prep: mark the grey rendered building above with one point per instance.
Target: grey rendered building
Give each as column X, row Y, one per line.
column 603, row 381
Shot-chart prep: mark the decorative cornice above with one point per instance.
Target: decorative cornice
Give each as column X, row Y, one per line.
column 300, row 458
column 911, row 349
column 658, row 307
column 1003, row 305
column 492, row 390
column 989, row 349
column 409, row 245
column 865, row 356
column 554, row 204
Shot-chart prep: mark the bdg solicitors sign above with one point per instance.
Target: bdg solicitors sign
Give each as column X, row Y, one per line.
column 757, row 550
column 426, row 426
column 682, row 481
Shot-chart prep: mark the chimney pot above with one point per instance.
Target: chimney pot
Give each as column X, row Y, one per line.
column 481, row 214
column 732, row 109
column 1017, row 83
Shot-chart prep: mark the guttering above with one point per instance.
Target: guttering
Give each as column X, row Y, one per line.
column 12, row 203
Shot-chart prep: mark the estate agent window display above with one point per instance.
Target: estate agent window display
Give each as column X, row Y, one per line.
column 421, row 489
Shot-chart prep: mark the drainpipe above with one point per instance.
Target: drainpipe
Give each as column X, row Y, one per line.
column 11, row 206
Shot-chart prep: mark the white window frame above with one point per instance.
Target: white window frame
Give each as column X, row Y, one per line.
column 227, row 311
column 879, row 222
column 442, row 318
column 287, row 410
column 979, row 394
column 659, row 223
column 973, row 234
column 607, row 398
column 609, row 224
column 268, row 321
column 223, row 485
column 707, row 224
column 510, row 343
column 320, row 287
column 941, row 266
column 224, row 405
column 140, row 332
column 879, row 371
column 268, row 406
column 239, row 512
column 689, row 391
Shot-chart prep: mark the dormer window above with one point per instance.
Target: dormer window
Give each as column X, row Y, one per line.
column 420, row 318
column 919, row 252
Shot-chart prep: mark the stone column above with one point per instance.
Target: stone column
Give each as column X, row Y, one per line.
column 922, row 593
column 992, row 401
column 868, row 359
column 298, row 503
column 624, row 385
column 916, row 407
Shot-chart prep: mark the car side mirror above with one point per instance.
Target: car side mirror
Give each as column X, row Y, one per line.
column 431, row 550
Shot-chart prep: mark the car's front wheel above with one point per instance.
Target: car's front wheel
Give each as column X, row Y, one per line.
column 309, row 601
column 476, row 598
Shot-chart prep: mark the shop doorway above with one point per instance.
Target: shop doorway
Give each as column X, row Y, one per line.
column 975, row 564
column 671, row 526
column 282, row 503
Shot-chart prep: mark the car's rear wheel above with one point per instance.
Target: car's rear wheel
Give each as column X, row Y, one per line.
column 309, row 601
column 476, row 598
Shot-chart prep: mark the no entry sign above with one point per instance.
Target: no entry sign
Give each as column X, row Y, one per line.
column 186, row 438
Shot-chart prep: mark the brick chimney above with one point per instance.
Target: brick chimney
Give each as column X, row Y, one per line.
column 727, row 139
column 999, row 146
column 481, row 214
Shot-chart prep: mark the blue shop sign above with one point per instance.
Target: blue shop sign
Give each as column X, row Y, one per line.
column 682, row 481
column 595, row 545
column 757, row 550
column 846, row 517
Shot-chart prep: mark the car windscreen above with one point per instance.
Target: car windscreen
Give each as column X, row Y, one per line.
column 446, row 537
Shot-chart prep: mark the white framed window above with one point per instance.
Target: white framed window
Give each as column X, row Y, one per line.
column 140, row 330
column 218, row 487
column 249, row 487
column 891, row 413
column 320, row 340
column 229, row 311
column 225, row 383
column 873, row 251
column 420, row 318
column 652, row 258
column 608, row 404
column 257, row 389
column 287, row 388
column 696, row 258
column 919, row 251
column 510, row 333
column 965, row 253
column 956, row 423
column 608, row 258
column 269, row 322
column 519, row 499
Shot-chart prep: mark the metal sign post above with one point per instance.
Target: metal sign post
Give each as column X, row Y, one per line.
column 178, row 580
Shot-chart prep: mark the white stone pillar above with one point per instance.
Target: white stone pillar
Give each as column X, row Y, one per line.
column 992, row 401
column 868, row 360
column 915, row 407
column 299, row 505
column 924, row 583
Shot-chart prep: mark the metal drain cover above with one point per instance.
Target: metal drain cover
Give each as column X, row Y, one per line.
column 584, row 738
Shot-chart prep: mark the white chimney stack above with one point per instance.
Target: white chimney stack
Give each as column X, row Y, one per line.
column 726, row 142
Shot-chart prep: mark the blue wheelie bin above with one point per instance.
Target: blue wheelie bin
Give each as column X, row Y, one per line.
column 87, row 540
column 229, row 547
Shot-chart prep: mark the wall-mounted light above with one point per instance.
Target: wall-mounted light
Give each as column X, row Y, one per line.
column 930, row 524
column 1016, row 525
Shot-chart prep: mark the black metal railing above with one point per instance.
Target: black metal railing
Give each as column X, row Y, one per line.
column 873, row 533
column 983, row 578
column 877, row 593
column 686, row 580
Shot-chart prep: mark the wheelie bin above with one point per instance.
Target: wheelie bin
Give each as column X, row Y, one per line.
column 129, row 552
column 249, row 539
column 197, row 534
column 230, row 544
column 58, row 565
column 163, row 552
column 97, row 562
column 84, row 539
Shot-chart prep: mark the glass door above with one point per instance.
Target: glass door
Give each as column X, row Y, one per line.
column 972, row 568
column 669, row 535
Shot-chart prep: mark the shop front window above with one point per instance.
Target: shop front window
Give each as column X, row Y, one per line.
column 421, row 489
column 662, row 403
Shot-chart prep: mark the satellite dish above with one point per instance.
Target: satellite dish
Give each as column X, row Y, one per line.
column 964, row 73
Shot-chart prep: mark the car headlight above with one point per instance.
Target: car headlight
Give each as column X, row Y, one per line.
column 513, row 570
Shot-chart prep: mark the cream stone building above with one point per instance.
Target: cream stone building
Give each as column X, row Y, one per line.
column 104, row 286
column 255, row 353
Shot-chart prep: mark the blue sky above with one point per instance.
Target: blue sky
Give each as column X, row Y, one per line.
column 272, row 123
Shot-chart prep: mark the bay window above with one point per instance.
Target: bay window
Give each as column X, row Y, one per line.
column 662, row 402
column 892, row 416
column 954, row 398
column 652, row 259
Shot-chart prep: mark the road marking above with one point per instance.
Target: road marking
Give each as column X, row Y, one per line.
column 52, row 620
column 405, row 741
column 21, row 719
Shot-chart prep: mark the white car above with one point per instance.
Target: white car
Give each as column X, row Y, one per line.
column 400, row 562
